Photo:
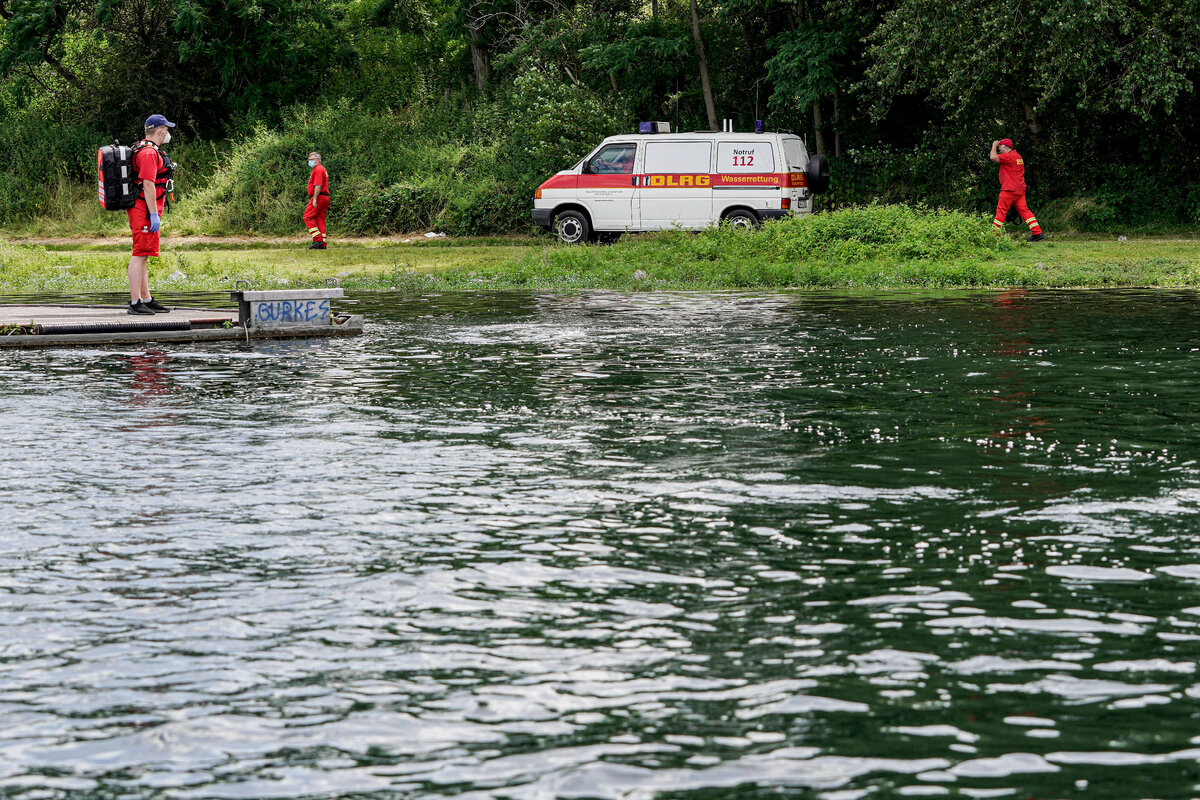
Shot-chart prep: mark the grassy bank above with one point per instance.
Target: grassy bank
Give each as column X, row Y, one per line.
column 862, row 248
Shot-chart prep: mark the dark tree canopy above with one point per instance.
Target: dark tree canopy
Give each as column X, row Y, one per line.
column 904, row 95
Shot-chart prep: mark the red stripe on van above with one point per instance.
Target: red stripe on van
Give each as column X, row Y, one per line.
column 601, row 181
column 561, row 182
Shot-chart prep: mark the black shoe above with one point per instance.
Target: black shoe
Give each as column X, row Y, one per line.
column 317, row 246
column 1037, row 237
column 140, row 308
column 156, row 307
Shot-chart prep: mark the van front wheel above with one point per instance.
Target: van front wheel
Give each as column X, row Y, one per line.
column 571, row 227
column 742, row 219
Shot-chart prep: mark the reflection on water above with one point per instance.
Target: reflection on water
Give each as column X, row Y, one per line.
column 598, row 546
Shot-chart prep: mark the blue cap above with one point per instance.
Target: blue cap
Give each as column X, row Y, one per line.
column 155, row 120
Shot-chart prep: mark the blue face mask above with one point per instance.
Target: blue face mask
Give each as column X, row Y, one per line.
column 311, row 163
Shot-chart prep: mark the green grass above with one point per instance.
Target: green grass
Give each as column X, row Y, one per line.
column 877, row 247
column 27, row 269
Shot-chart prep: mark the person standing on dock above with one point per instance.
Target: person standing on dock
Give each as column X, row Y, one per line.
column 1012, row 189
column 153, row 173
column 318, row 202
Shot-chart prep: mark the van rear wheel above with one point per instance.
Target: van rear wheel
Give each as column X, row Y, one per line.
column 741, row 218
column 571, row 227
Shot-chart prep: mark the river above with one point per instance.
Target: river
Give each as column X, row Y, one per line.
column 613, row 546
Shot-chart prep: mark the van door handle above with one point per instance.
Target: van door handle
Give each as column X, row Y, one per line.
column 635, row 177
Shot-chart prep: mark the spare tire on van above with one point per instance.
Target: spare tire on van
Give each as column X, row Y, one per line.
column 818, row 174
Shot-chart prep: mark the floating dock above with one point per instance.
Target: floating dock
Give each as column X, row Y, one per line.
column 286, row 313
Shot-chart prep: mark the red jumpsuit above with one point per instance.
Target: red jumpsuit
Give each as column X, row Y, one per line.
column 1012, row 191
column 314, row 218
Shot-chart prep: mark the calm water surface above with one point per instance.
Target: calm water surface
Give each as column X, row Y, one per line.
column 617, row 547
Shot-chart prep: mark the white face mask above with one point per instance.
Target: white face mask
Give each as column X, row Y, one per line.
column 167, row 138
column 311, row 163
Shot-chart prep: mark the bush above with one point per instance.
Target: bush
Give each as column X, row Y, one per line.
column 1138, row 200
column 400, row 208
column 1084, row 214
column 38, row 160
column 873, row 245
column 870, row 233
column 548, row 125
column 486, row 206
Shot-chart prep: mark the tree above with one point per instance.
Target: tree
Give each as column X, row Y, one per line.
column 814, row 55
column 702, row 60
column 34, row 31
column 980, row 57
column 265, row 52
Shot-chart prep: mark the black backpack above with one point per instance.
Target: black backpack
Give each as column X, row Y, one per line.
column 118, row 186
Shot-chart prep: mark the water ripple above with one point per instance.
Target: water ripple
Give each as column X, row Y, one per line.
column 599, row 546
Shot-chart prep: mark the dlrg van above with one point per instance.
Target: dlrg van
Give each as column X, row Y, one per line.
column 652, row 181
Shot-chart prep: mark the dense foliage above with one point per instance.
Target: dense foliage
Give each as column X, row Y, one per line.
column 448, row 112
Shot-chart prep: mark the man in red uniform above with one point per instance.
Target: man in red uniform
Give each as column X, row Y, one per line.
column 1012, row 189
column 318, row 202
column 153, row 172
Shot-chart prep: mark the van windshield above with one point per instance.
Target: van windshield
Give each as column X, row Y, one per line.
column 613, row 158
column 793, row 151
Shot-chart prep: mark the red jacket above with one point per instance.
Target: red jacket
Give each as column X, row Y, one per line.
column 1012, row 172
column 319, row 175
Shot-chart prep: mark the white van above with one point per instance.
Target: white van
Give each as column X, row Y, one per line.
column 653, row 181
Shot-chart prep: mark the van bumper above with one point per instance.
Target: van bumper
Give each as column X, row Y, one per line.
column 543, row 217
column 773, row 213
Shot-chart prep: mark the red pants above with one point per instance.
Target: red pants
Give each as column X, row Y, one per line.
column 1008, row 198
column 314, row 218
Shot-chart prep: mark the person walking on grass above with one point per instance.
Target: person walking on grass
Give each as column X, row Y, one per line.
column 318, row 202
column 152, row 169
column 1012, row 189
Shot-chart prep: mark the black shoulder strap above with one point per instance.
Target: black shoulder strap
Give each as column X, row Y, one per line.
column 137, row 148
column 142, row 145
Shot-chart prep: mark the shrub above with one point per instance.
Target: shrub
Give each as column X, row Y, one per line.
column 866, row 233
column 399, row 208
column 469, row 171
column 907, row 245
column 486, row 206
column 548, row 125
column 38, row 160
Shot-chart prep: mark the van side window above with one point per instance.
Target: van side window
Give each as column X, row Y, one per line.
column 793, row 151
column 613, row 159
column 753, row 156
column 668, row 158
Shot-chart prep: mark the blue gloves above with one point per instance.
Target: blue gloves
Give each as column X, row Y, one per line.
column 155, row 223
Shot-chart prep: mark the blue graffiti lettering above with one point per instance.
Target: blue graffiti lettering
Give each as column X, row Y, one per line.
column 311, row 312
